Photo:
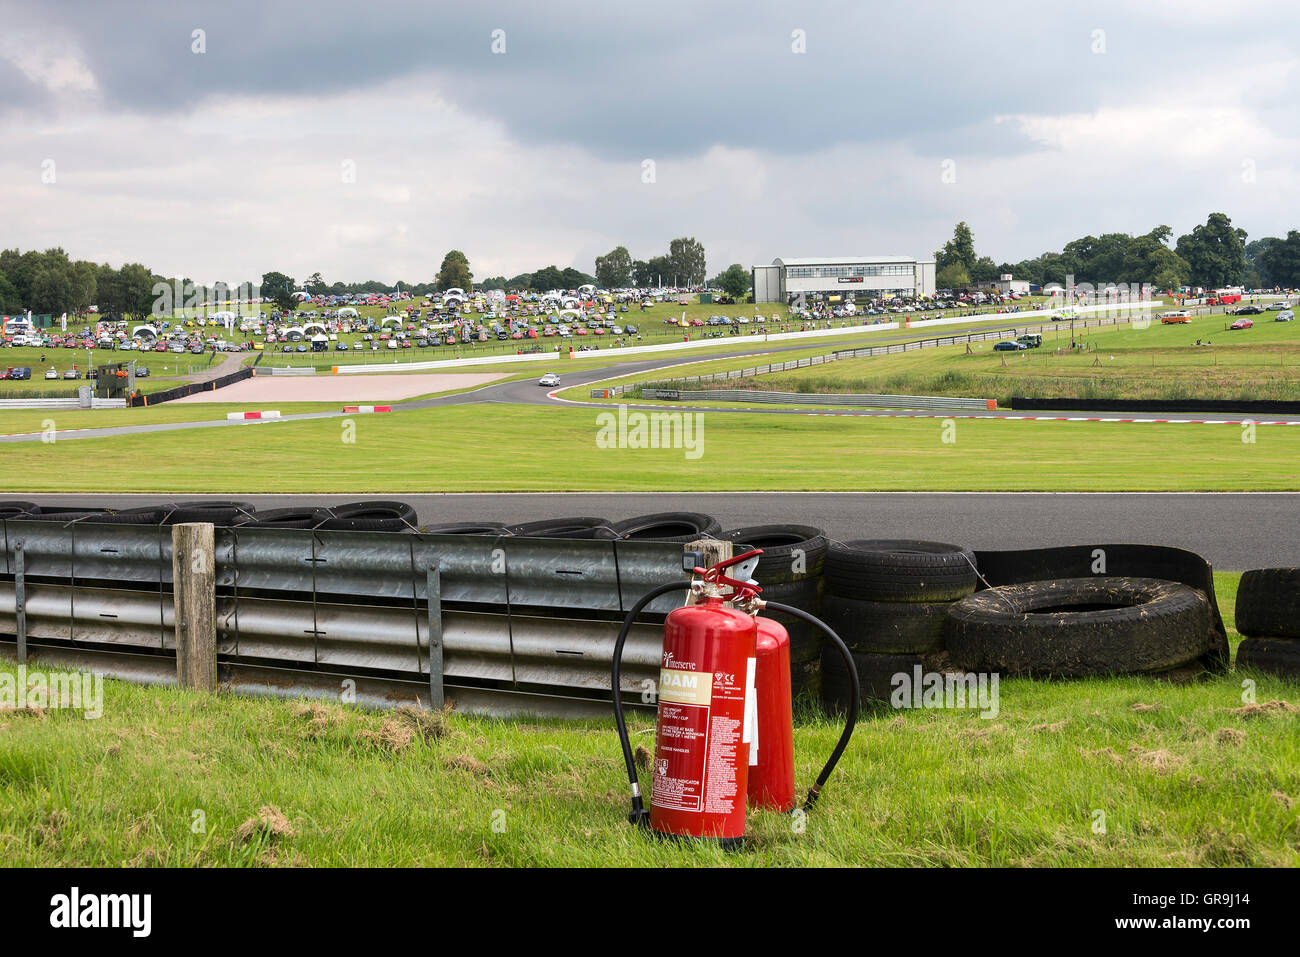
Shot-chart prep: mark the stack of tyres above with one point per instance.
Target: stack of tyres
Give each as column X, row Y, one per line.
column 680, row 527
column 790, row 572
column 888, row 599
column 1268, row 614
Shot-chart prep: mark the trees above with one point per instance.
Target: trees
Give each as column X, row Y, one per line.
column 734, row 280
column 686, row 257
column 953, row 276
column 1281, row 261
column 278, row 287
column 1216, row 252
column 614, row 269
column 958, row 251
column 454, row 273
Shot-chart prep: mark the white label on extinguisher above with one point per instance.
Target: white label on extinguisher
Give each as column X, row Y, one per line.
column 750, row 733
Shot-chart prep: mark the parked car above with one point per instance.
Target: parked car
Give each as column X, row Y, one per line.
column 1242, row 324
column 1177, row 316
column 550, row 379
column 142, row 372
column 1031, row 340
column 51, row 373
column 21, row 372
column 1009, row 345
column 68, row 374
column 1286, row 315
column 1250, row 311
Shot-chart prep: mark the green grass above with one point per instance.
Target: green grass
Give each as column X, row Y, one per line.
column 528, row 448
column 167, row 777
column 1159, row 362
column 34, row 420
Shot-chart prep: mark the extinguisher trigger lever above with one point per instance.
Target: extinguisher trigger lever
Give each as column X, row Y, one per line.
column 743, row 587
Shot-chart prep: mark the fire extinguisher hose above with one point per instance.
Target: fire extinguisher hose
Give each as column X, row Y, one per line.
column 854, row 695
column 639, row 815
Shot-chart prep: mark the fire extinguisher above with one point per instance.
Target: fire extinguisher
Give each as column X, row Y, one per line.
column 724, row 731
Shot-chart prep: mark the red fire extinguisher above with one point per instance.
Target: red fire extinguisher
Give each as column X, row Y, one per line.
column 724, row 734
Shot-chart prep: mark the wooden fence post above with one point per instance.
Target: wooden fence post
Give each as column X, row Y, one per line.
column 194, row 602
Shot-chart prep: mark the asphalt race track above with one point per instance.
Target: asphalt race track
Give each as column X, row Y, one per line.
column 1234, row 531
column 527, row 392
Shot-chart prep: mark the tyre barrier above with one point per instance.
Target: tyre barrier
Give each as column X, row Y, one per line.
column 876, row 676
column 790, row 572
column 1079, row 628
column 680, row 527
column 1268, row 603
column 222, row 513
column 374, row 516
column 584, row 527
column 286, row 518
column 1275, row 656
column 467, row 528
column 900, row 570
column 888, row 599
column 1018, row 566
column 1268, row 614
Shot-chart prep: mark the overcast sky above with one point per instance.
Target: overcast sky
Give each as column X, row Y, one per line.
column 364, row 140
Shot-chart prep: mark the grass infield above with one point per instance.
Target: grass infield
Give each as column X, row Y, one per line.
column 1125, row 772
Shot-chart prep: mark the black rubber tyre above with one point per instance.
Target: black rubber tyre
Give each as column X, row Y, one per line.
column 1275, row 656
column 668, row 527
column 18, row 509
column 790, row 552
column 146, row 515
column 583, row 527
column 466, row 528
column 216, row 512
column 61, row 514
column 1080, row 627
column 806, row 679
column 875, row 676
column 286, row 518
column 900, row 570
column 887, row 627
column 805, row 639
column 377, row 516
column 1268, row 603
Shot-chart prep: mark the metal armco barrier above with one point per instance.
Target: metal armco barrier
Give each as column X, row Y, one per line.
column 479, row 623
column 892, row 348
column 809, row 398
column 61, row 403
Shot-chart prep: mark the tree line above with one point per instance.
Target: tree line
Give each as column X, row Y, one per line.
column 1213, row 255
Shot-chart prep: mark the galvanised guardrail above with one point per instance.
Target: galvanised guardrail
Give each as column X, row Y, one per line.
column 518, row 624
column 613, row 391
column 61, row 402
column 809, row 398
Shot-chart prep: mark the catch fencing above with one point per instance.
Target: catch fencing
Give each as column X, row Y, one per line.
column 519, row 624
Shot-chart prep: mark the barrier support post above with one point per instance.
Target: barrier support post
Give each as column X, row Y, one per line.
column 20, row 600
column 194, row 604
